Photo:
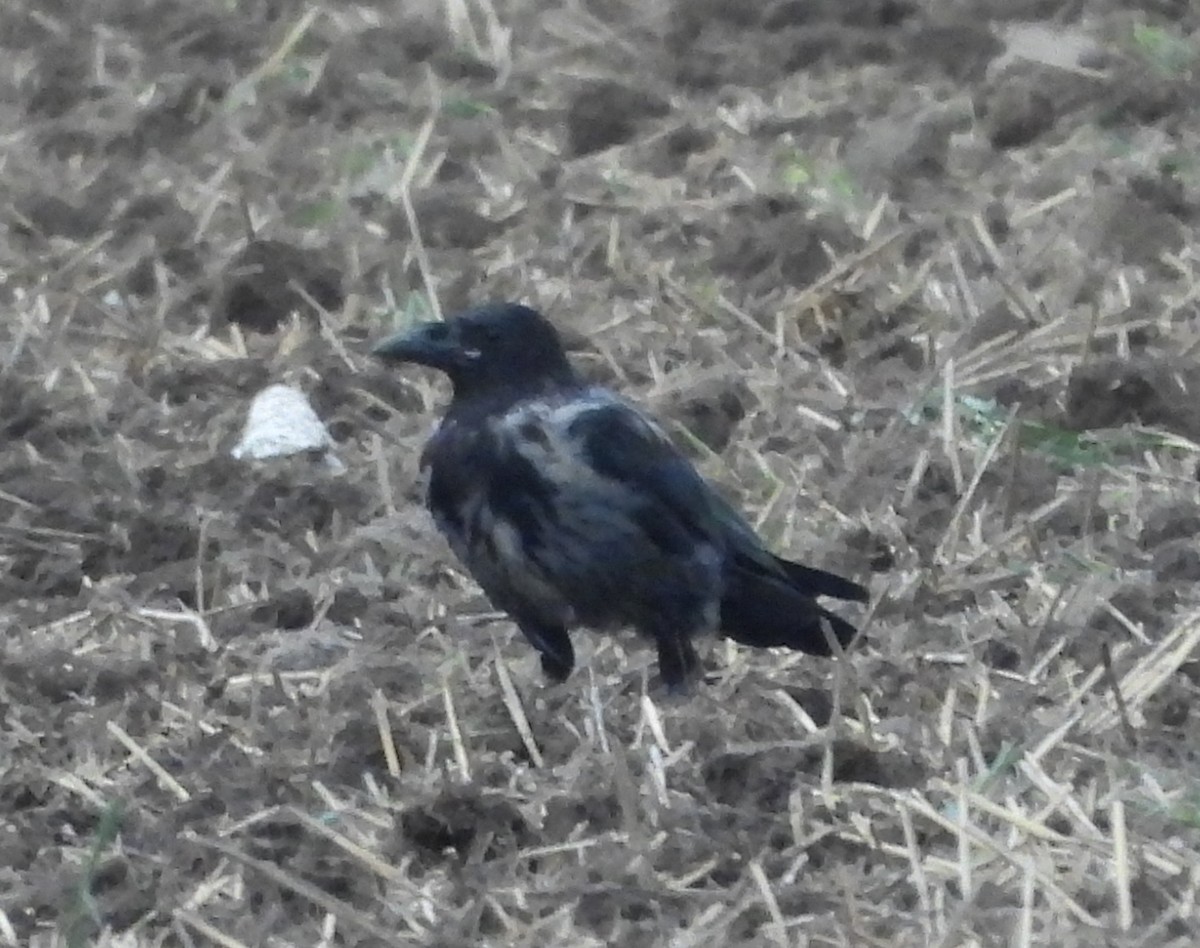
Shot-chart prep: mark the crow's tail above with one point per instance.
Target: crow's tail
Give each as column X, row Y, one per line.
column 765, row 611
column 817, row 582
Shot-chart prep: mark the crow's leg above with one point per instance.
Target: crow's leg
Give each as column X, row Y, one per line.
column 681, row 617
column 677, row 661
column 553, row 643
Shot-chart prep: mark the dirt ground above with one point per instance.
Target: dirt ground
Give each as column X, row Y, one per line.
column 911, row 278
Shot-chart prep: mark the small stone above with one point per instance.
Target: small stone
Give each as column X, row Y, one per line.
column 282, row 423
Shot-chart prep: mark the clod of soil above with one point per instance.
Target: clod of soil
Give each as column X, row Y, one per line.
column 290, row 609
column 447, row 220
column 673, row 149
column 765, row 780
column 607, row 113
column 288, row 504
column 22, row 408
column 893, row 152
column 773, row 239
column 1139, row 224
column 49, row 215
column 711, row 412
column 1016, row 113
column 60, row 80
column 269, row 280
column 472, row 826
column 1110, row 392
column 1177, row 562
column 1170, row 522
column 960, row 48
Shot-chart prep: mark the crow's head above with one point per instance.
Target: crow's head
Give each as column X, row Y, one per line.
column 489, row 348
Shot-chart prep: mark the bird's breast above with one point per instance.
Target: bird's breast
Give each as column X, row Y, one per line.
column 493, row 506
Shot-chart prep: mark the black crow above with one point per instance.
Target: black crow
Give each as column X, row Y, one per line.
column 570, row 507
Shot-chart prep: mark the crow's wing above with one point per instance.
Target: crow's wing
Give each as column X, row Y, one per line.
column 624, row 446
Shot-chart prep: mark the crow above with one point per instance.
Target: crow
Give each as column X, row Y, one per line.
column 570, row 507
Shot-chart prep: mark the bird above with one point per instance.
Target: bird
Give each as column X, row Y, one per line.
column 571, row 507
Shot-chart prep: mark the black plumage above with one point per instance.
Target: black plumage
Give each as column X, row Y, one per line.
column 572, row 508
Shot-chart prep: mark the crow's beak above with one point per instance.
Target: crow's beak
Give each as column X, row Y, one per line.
column 433, row 344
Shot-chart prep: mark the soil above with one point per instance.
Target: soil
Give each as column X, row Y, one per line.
column 260, row 704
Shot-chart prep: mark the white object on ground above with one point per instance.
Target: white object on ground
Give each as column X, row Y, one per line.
column 1063, row 47
column 282, row 422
